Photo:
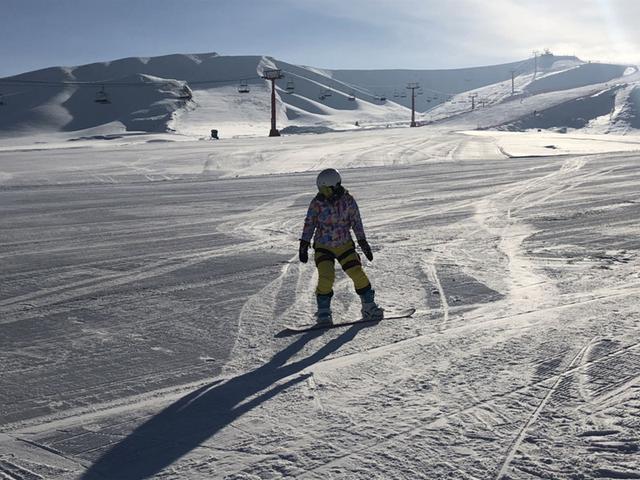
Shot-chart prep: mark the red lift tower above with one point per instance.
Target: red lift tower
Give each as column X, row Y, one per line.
column 413, row 87
column 273, row 75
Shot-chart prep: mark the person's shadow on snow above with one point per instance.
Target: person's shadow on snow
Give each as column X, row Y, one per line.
column 190, row 421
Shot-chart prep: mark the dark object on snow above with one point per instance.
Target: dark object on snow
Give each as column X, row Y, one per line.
column 214, row 134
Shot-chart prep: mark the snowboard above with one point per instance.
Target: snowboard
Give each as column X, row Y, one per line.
column 315, row 326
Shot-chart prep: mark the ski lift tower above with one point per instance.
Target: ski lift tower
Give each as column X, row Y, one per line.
column 273, row 75
column 413, row 87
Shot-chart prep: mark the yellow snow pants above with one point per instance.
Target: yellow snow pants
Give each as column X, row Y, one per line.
column 349, row 261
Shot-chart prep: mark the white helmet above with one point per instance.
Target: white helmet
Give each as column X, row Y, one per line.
column 329, row 177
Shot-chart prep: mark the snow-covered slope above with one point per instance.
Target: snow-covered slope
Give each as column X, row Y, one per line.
column 143, row 298
column 192, row 94
column 579, row 76
column 439, row 85
column 557, row 100
column 143, row 93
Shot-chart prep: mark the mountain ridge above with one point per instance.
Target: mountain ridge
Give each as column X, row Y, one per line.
column 146, row 94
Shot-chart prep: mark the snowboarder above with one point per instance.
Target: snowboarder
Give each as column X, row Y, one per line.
column 331, row 215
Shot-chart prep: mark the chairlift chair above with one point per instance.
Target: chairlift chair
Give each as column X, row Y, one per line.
column 102, row 97
column 290, row 86
column 352, row 96
column 243, row 87
column 327, row 93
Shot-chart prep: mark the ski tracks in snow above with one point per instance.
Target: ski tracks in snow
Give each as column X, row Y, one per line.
column 428, row 421
column 405, row 400
column 532, row 299
column 432, row 274
column 534, row 416
column 529, row 288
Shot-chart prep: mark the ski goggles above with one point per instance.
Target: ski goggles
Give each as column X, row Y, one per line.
column 326, row 190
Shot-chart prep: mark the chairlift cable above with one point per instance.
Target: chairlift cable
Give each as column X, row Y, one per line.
column 107, row 83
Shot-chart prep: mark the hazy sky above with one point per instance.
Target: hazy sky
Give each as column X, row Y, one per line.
column 420, row 34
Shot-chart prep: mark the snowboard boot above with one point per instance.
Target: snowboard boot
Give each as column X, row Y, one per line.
column 370, row 310
column 323, row 315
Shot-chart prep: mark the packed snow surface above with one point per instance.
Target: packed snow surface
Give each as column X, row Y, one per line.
column 145, row 284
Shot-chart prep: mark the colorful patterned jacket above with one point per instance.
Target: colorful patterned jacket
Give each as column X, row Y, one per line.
column 332, row 218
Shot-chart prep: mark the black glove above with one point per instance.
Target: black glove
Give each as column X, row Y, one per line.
column 366, row 249
column 303, row 252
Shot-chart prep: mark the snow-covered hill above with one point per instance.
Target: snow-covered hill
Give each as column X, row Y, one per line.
column 595, row 98
column 192, row 94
